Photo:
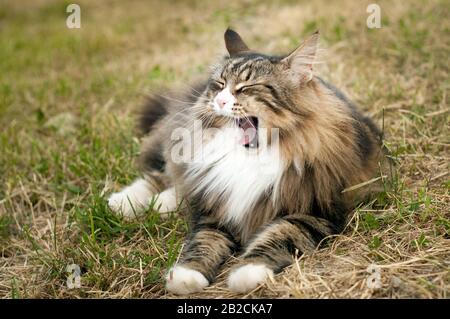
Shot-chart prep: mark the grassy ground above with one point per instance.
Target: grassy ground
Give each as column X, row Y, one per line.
column 67, row 101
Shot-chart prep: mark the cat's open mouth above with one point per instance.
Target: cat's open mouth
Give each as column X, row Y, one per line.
column 249, row 126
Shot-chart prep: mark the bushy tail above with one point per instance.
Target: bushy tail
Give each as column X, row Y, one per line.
column 157, row 106
column 152, row 111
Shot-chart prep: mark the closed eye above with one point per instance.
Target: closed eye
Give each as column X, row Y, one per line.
column 219, row 84
column 246, row 87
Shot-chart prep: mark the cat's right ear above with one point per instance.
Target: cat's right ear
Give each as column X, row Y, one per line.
column 234, row 43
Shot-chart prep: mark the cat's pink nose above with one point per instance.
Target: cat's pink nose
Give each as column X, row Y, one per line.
column 221, row 102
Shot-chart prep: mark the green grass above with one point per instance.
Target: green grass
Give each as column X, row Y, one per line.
column 68, row 100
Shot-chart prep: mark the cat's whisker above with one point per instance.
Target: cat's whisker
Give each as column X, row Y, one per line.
column 191, row 88
column 195, row 111
column 176, row 100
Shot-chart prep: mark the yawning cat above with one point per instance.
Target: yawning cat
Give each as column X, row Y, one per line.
column 258, row 158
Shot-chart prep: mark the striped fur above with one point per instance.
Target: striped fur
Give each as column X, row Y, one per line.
column 326, row 145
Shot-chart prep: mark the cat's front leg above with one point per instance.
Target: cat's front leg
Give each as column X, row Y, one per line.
column 207, row 247
column 273, row 248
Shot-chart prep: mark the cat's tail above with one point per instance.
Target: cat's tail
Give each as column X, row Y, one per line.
column 158, row 106
column 154, row 108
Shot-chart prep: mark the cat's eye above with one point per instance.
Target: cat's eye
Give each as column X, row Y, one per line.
column 243, row 88
column 240, row 89
column 219, row 84
column 249, row 87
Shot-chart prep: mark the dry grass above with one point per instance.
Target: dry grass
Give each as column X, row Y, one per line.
column 67, row 99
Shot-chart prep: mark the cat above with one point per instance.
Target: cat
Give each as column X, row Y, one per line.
column 260, row 196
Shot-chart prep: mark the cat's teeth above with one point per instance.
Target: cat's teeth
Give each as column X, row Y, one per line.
column 181, row 280
column 248, row 277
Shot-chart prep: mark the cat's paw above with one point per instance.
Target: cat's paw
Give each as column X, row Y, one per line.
column 122, row 205
column 132, row 201
column 248, row 277
column 166, row 201
column 181, row 280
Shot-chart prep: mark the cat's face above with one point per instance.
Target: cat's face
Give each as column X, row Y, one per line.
column 247, row 86
column 257, row 90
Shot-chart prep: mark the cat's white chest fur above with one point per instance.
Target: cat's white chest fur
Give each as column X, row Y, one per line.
column 235, row 175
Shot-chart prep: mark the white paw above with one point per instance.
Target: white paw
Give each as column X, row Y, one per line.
column 181, row 280
column 166, row 201
column 248, row 277
column 123, row 205
column 132, row 201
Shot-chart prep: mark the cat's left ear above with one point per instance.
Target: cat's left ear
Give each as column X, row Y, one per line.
column 299, row 64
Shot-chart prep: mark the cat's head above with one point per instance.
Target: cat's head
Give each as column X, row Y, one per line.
column 259, row 89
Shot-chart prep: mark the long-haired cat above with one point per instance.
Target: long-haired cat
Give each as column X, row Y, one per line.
column 259, row 157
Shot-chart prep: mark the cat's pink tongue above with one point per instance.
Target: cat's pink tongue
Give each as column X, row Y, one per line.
column 248, row 132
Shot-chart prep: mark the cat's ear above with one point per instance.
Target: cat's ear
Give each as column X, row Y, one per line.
column 299, row 64
column 234, row 43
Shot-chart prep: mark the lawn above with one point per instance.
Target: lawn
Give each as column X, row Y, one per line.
column 68, row 103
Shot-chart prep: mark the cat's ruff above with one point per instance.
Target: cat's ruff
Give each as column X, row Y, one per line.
column 242, row 176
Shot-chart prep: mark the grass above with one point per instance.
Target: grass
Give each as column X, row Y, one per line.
column 67, row 104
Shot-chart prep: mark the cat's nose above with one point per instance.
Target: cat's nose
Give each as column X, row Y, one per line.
column 221, row 102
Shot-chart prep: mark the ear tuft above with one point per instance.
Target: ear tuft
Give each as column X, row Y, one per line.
column 300, row 62
column 234, row 43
